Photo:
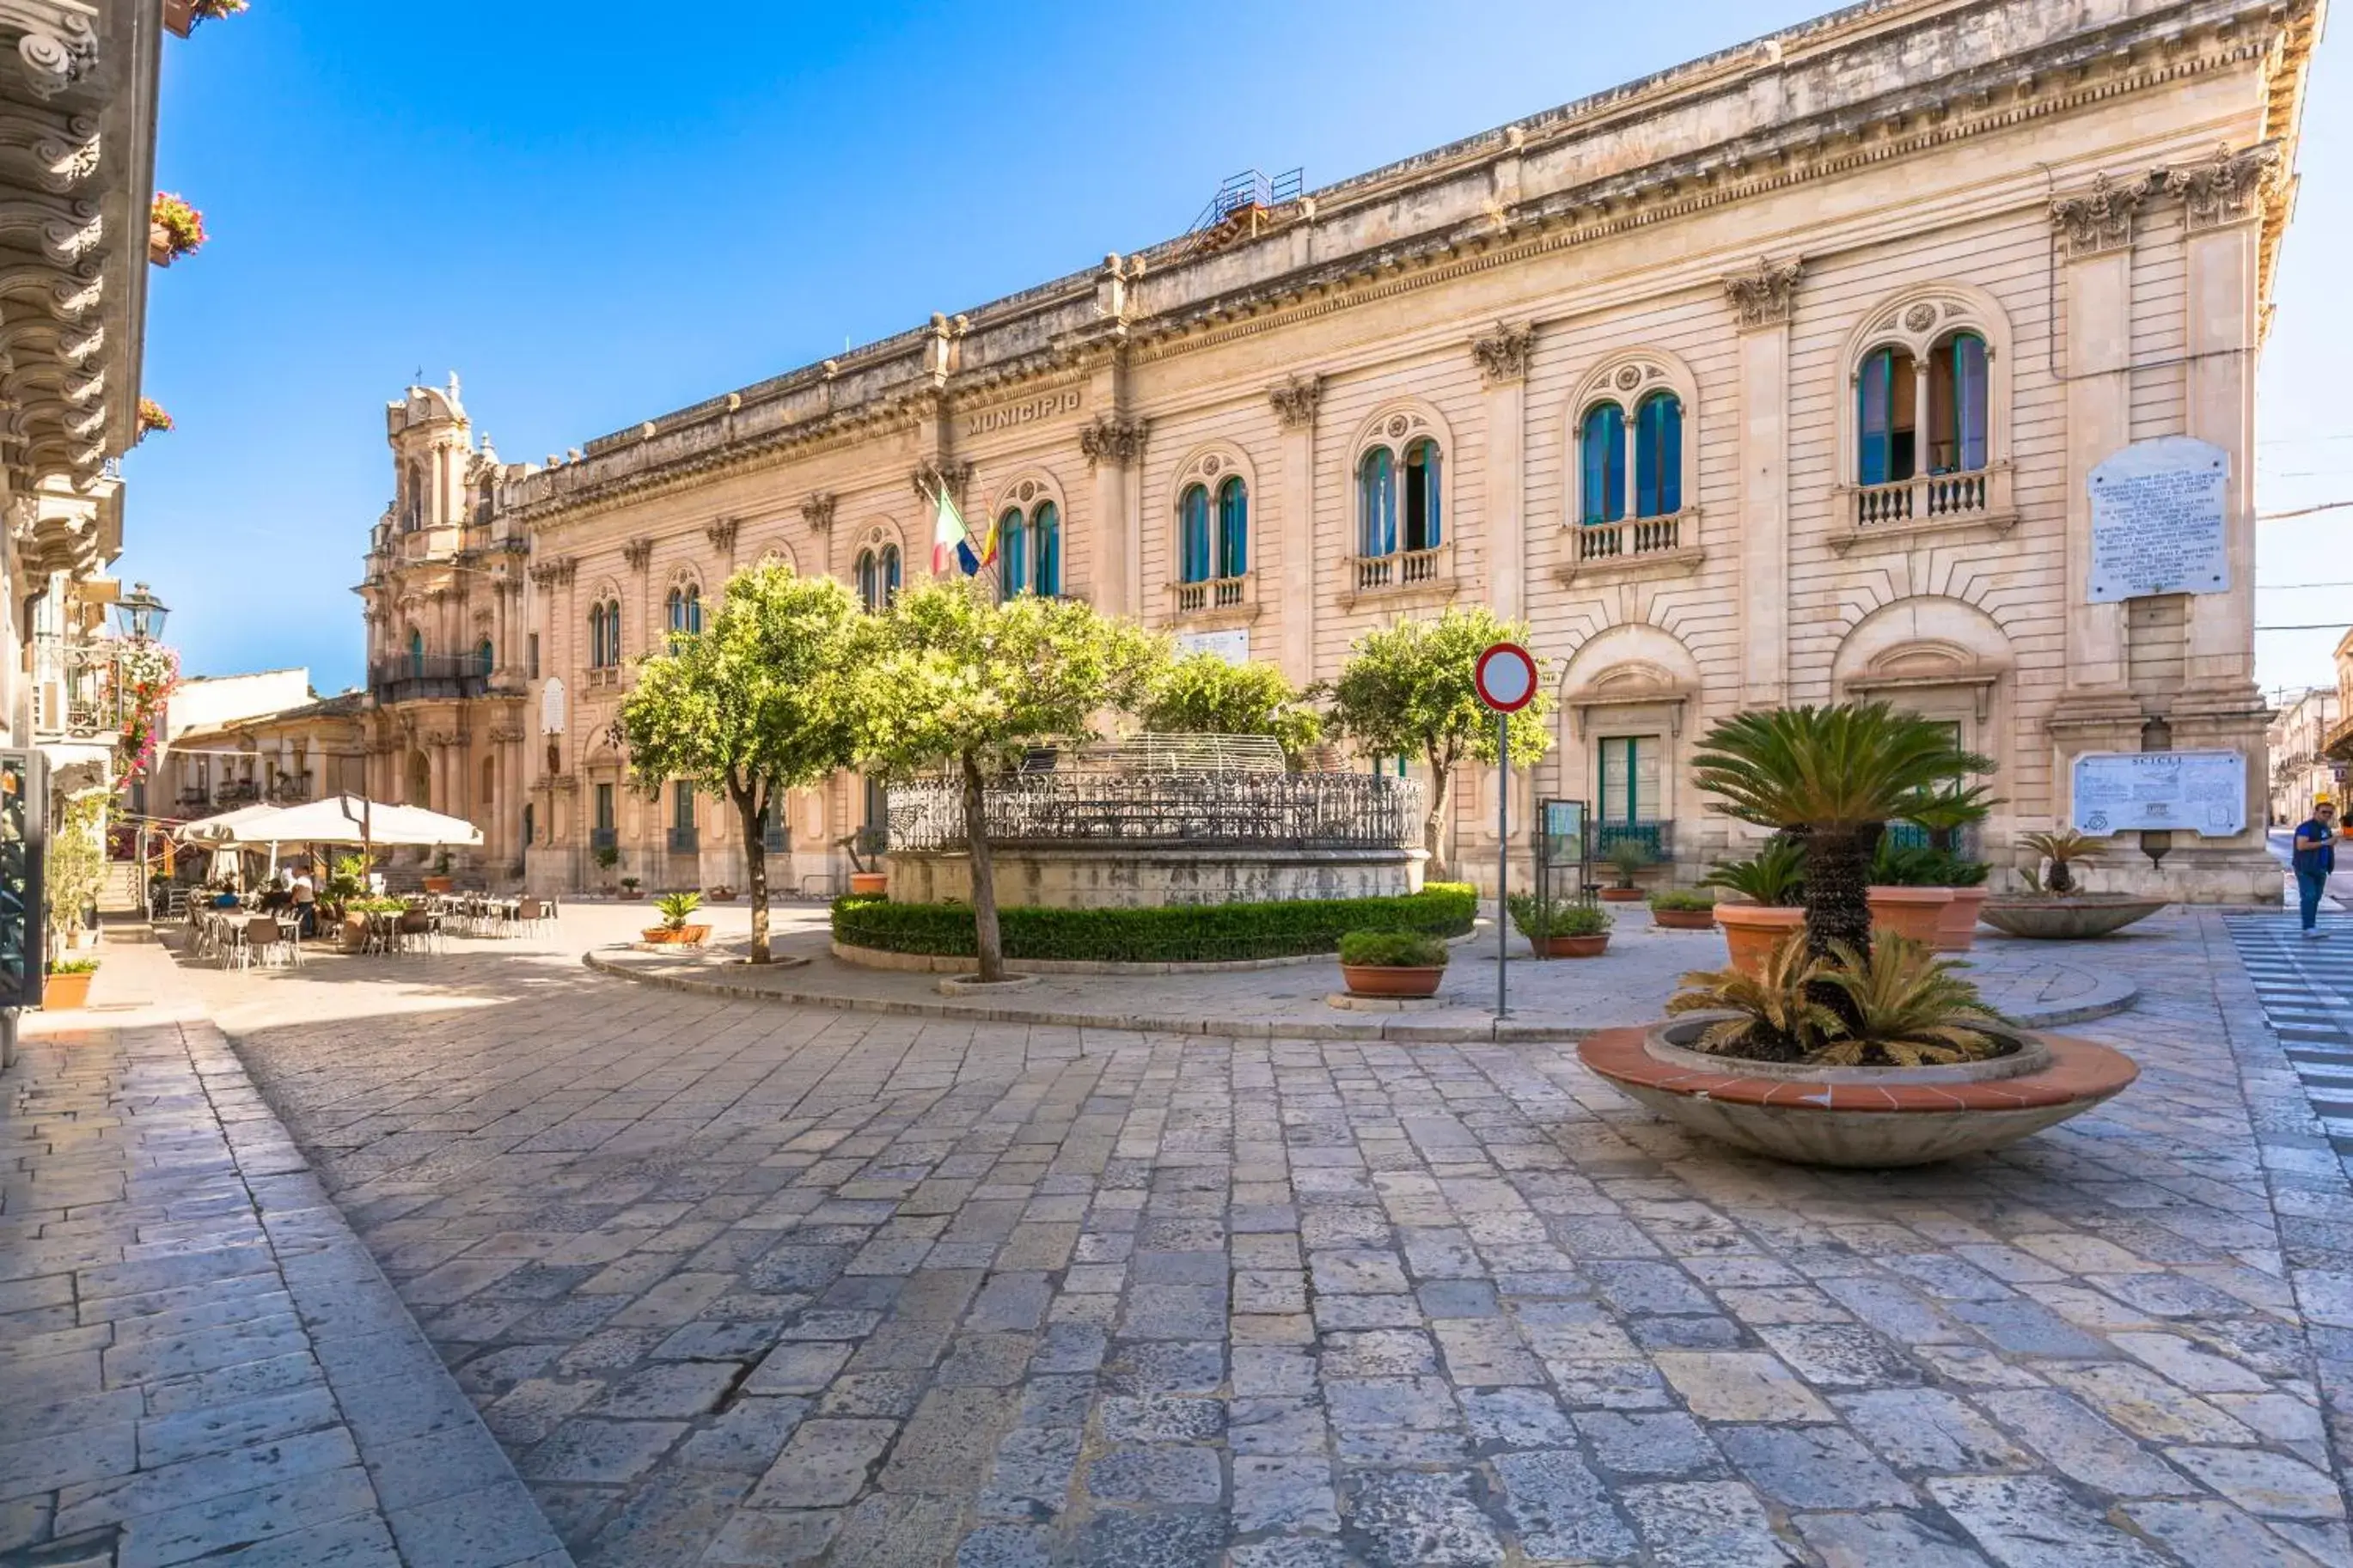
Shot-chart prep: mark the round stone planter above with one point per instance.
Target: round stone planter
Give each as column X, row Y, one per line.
column 2070, row 918
column 1684, row 920
column 1383, row 980
column 1869, row 1118
column 1956, row 928
column 1623, row 895
column 1916, row 912
column 868, row 884
column 1752, row 930
column 1569, row 946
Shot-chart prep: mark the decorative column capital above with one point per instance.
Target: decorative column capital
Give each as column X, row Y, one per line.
column 1294, row 401
column 56, row 45
column 2225, row 186
column 637, row 552
column 930, row 477
column 1113, row 439
column 722, row 535
column 817, row 510
column 1765, row 297
column 2100, row 219
column 1503, row 355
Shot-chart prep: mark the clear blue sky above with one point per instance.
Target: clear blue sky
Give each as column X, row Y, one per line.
column 596, row 221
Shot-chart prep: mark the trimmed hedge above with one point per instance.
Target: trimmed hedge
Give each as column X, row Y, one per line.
column 1191, row 933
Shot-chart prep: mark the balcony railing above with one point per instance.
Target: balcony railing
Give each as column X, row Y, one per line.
column 75, row 688
column 428, row 676
column 1656, row 835
column 684, row 841
column 1304, row 810
column 600, row 675
column 1927, row 498
column 1630, row 536
column 2339, row 741
column 604, row 838
column 1213, row 594
column 1403, row 569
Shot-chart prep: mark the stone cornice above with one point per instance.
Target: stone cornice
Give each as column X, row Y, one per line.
column 908, row 378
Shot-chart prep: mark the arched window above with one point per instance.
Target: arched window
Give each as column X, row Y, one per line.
column 412, row 514
column 693, row 609
column 869, row 575
column 1233, row 528
column 1885, row 416
column 1012, row 554
column 675, row 611
column 416, row 653
column 1045, row 534
column 1956, row 405
column 1601, row 455
column 892, row 576
column 596, row 659
column 612, row 631
column 483, row 658
column 1397, row 502
column 1193, row 535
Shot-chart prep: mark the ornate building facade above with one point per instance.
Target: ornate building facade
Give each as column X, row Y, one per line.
column 1776, row 377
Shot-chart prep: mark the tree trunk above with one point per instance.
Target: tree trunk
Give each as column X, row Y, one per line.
column 755, row 866
column 989, row 944
column 1434, row 826
column 1838, row 892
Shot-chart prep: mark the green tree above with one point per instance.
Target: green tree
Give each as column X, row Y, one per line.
column 761, row 702
column 1407, row 691
column 1829, row 778
column 1201, row 694
column 957, row 681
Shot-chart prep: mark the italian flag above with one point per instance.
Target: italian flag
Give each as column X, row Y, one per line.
column 949, row 535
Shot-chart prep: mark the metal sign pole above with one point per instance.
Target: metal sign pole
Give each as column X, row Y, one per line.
column 1502, row 860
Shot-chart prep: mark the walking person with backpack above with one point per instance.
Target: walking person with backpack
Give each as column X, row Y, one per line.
column 2314, row 859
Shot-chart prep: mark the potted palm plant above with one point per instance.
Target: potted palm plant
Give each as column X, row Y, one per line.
column 1391, row 963
column 1683, row 909
column 1945, row 813
column 1628, row 856
column 2054, row 906
column 1845, row 1047
column 674, row 931
column 1560, row 929
column 1765, row 907
column 438, row 880
column 867, row 878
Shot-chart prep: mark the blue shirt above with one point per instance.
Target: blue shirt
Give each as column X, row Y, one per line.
column 2315, row 859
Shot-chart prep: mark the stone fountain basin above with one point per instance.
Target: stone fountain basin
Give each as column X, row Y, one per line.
column 2071, row 919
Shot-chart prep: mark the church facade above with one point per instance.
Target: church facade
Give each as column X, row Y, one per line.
column 1780, row 376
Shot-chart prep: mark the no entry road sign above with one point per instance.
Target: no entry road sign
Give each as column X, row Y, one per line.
column 1506, row 678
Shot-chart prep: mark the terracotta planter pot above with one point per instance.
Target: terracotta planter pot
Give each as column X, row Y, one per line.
column 440, row 884
column 684, row 936
column 1684, row 920
column 1867, row 1117
column 1623, row 895
column 1752, row 930
column 60, row 992
column 1384, row 980
column 1915, row 912
column 1957, row 927
column 866, row 883
column 1569, row 946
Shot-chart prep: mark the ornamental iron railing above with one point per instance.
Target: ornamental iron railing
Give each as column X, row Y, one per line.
column 1292, row 811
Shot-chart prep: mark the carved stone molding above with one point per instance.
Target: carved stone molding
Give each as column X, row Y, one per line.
column 1113, row 440
column 55, row 42
column 722, row 535
column 63, row 150
column 1504, row 356
column 2226, row 187
column 559, row 569
column 637, row 552
column 442, row 738
column 2100, row 219
column 929, row 478
column 1294, row 401
column 506, row 734
column 817, row 510
column 1764, row 298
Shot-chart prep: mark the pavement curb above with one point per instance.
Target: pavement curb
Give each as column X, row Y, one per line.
column 2114, row 996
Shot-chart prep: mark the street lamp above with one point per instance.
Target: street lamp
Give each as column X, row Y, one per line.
column 141, row 614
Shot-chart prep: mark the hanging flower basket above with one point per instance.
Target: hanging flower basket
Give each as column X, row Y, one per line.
column 173, row 230
column 182, row 17
column 152, row 415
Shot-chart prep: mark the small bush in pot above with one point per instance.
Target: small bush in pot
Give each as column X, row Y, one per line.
column 1905, row 1007
column 67, row 983
column 1683, row 909
column 1768, row 890
column 675, row 908
column 1392, row 963
column 2064, row 851
column 2054, row 906
column 1556, row 930
column 1628, row 858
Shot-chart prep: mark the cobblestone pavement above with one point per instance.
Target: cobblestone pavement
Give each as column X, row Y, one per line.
column 198, row 1360
column 2026, row 979
column 749, row 1283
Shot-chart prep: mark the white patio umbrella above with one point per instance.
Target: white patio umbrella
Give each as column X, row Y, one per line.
column 222, row 828
column 348, row 819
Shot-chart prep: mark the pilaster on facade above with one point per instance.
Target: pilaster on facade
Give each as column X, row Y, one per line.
column 2099, row 220
column 1503, row 358
column 1294, row 401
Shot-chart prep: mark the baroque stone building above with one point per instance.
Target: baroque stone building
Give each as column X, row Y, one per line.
column 1780, row 376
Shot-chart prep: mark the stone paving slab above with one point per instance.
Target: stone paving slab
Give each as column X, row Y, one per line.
column 2040, row 984
column 199, row 1360
column 742, row 1283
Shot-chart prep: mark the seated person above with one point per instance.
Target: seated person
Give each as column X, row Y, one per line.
column 275, row 896
column 305, row 898
column 226, row 898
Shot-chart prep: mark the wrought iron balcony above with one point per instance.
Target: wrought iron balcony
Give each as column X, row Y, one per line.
column 76, row 690
column 1309, row 811
column 1656, row 835
column 428, row 676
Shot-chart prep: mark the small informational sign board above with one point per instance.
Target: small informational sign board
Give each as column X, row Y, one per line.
column 2203, row 793
column 1563, row 832
column 1232, row 646
column 550, row 706
column 2156, row 521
